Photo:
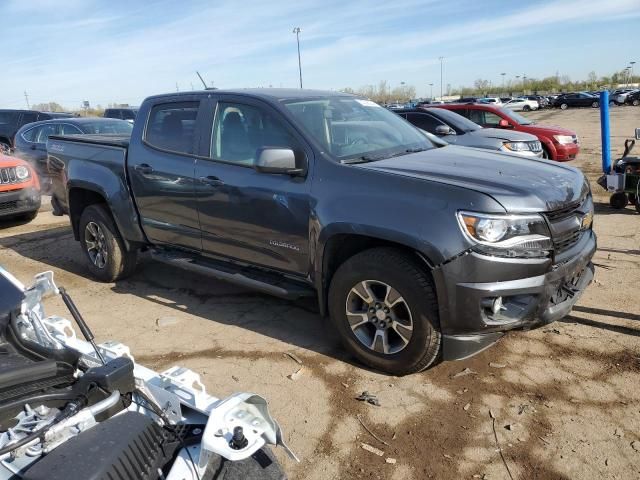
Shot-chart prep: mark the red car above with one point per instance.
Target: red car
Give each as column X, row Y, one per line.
column 558, row 143
column 19, row 189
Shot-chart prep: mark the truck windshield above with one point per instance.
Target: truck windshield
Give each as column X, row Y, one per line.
column 354, row 129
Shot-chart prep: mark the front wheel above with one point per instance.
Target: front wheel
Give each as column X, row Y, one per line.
column 108, row 259
column 564, row 106
column 384, row 306
column 526, row 108
column 595, row 105
column 635, row 102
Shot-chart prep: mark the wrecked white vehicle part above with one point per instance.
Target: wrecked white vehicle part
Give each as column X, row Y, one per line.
column 68, row 405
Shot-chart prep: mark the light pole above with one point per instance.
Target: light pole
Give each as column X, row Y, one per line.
column 297, row 31
column 632, row 64
column 441, row 82
column 503, row 74
column 431, row 94
column 524, row 83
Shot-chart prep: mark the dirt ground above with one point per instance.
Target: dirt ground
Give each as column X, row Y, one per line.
column 565, row 398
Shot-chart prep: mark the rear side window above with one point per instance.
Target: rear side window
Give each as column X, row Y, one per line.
column 68, row 129
column 30, row 135
column 45, row 131
column 29, row 117
column 171, row 126
column 128, row 115
column 476, row 116
column 8, row 118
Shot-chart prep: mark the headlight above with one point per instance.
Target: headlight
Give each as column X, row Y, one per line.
column 513, row 236
column 563, row 139
column 22, row 172
column 516, row 146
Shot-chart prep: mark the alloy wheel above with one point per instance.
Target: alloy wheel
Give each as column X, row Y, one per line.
column 379, row 317
column 96, row 244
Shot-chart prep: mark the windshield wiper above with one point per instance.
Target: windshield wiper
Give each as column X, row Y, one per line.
column 362, row 159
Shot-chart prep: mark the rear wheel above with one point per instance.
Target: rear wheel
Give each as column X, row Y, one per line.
column 635, row 102
column 385, row 309
column 526, row 108
column 618, row 200
column 108, row 259
column 564, row 106
column 595, row 105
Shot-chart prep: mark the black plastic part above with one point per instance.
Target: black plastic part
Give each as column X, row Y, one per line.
column 459, row 347
column 238, row 441
column 115, row 375
column 262, row 465
column 130, row 446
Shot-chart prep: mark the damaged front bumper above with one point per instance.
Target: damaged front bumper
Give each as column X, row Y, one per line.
column 474, row 313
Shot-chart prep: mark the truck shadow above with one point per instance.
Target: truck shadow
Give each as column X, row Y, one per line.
column 296, row 323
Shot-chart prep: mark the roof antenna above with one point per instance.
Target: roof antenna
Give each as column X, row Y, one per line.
column 202, row 80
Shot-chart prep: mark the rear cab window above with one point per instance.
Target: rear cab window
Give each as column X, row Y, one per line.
column 171, row 126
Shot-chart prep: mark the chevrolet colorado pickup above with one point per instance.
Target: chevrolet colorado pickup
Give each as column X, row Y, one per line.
column 416, row 252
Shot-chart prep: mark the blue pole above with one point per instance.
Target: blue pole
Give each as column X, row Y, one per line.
column 604, row 129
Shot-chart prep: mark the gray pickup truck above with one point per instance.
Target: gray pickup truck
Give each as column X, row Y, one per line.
column 417, row 252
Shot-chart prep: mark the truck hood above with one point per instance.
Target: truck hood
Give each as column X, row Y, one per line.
column 547, row 130
column 518, row 184
column 502, row 134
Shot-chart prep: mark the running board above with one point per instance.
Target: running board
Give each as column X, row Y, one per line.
column 252, row 278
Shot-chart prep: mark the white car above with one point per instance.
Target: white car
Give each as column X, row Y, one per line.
column 524, row 104
column 492, row 101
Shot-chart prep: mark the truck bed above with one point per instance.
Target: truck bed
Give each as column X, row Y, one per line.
column 104, row 139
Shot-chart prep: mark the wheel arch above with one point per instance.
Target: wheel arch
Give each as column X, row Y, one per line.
column 341, row 245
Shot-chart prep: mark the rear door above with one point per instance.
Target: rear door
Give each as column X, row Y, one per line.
column 257, row 218
column 161, row 169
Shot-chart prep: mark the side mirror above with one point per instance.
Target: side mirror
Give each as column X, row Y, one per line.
column 443, row 130
column 277, row 160
column 504, row 124
column 637, row 133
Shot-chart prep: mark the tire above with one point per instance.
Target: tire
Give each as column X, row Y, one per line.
column 412, row 301
column 545, row 153
column 635, row 102
column 595, row 105
column 98, row 228
column 618, row 200
column 632, row 199
column 29, row 217
column 564, row 106
column 526, row 108
column 5, row 148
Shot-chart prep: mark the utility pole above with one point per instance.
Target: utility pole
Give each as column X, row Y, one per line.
column 503, row 74
column 441, row 77
column 297, row 31
column 431, row 94
column 26, row 97
column 632, row 64
column 177, row 88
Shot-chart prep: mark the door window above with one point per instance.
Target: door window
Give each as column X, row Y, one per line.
column 491, row 119
column 240, row 130
column 172, row 126
column 68, row 129
column 476, row 116
column 30, row 135
column 424, row 121
column 44, row 131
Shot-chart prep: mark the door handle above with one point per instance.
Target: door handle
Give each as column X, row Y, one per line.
column 33, row 147
column 211, row 181
column 144, row 168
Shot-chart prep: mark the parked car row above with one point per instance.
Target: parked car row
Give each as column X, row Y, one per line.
column 502, row 127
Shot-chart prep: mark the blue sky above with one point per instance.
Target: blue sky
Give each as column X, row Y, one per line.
column 121, row 51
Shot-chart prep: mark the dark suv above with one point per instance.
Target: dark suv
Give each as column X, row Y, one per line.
column 125, row 113
column 415, row 252
column 12, row 120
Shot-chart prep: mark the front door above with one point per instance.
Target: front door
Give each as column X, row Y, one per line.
column 161, row 169
column 257, row 218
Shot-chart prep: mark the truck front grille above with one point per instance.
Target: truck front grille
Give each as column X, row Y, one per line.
column 566, row 224
column 564, row 243
column 535, row 146
column 8, row 175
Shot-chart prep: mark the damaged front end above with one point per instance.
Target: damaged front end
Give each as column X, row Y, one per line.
column 72, row 409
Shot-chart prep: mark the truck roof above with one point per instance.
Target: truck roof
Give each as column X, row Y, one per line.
column 267, row 93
